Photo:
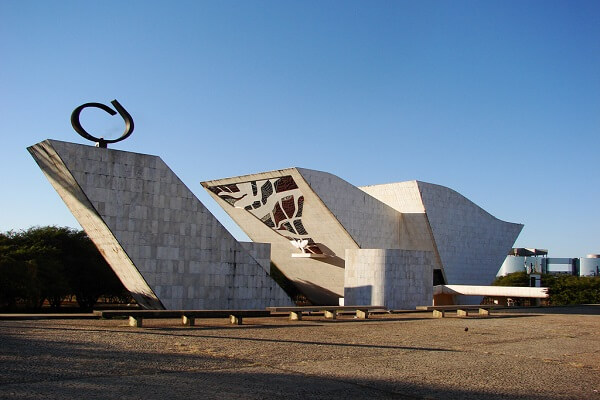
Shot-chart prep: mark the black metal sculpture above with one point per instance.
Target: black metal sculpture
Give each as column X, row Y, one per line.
column 101, row 142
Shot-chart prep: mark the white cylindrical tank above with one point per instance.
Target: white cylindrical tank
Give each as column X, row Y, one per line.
column 590, row 265
column 512, row 264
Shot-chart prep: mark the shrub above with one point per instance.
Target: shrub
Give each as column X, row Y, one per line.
column 562, row 289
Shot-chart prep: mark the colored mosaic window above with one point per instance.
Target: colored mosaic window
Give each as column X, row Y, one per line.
column 278, row 203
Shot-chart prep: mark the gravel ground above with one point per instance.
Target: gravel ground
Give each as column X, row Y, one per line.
column 535, row 354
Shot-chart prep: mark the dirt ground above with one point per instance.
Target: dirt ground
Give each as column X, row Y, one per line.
column 543, row 353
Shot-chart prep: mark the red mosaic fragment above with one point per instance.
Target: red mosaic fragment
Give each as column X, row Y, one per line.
column 288, row 206
column 285, row 183
column 278, row 214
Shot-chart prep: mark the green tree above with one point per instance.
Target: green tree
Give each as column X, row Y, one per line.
column 562, row 289
column 569, row 289
column 17, row 280
column 52, row 263
column 520, row 279
column 88, row 273
column 23, row 276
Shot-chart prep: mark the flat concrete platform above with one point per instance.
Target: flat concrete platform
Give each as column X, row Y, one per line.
column 529, row 354
column 25, row 317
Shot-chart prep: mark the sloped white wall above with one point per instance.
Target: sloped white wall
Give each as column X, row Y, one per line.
column 472, row 243
column 173, row 243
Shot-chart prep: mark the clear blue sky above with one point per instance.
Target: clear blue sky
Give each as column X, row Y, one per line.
column 498, row 100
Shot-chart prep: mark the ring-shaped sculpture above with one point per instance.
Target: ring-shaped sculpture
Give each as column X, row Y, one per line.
column 101, row 142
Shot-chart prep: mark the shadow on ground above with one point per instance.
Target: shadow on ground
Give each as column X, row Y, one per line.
column 62, row 369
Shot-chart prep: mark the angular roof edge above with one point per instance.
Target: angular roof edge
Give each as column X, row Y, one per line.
column 249, row 177
column 422, row 184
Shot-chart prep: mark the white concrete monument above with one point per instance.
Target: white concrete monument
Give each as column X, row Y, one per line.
column 165, row 246
column 337, row 222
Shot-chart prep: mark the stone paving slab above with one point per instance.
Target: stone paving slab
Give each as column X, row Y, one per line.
column 533, row 355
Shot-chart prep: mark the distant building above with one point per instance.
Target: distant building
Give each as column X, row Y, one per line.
column 535, row 261
column 590, row 265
